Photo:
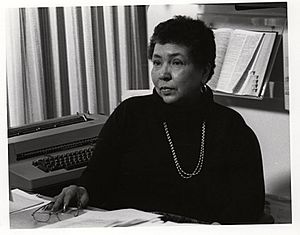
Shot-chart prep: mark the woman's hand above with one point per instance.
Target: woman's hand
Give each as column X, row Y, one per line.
column 68, row 194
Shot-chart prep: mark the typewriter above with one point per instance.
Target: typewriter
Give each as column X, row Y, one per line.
column 51, row 152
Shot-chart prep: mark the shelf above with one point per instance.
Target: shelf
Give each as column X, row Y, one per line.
column 255, row 20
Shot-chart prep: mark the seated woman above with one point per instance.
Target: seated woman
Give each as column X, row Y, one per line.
column 176, row 151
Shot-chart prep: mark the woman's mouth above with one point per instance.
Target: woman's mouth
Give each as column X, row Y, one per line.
column 166, row 90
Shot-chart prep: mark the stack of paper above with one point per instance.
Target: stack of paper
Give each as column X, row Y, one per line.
column 21, row 200
column 116, row 218
column 23, row 205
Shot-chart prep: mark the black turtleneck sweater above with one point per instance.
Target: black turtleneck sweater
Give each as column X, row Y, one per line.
column 133, row 167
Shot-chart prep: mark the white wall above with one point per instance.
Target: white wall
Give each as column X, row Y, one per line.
column 271, row 128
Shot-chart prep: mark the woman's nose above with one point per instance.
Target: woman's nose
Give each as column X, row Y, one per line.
column 165, row 74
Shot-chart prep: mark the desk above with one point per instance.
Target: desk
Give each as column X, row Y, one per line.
column 280, row 209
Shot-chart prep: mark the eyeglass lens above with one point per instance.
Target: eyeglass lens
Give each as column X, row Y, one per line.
column 44, row 215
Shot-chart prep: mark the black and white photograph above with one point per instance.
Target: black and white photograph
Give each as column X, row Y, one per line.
column 169, row 116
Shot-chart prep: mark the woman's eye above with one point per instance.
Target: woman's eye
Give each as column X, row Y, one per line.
column 156, row 62
column 177, row 62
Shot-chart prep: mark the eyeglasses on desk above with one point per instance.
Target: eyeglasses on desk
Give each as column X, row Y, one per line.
column 44, row 214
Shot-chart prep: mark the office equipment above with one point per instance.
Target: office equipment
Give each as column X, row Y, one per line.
column 68, row 160
column 51, row 152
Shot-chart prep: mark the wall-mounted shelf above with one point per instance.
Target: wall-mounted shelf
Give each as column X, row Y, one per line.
column 256, row 20
column 274, row 93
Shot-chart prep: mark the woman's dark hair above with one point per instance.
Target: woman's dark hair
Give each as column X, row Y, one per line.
column 193, row 34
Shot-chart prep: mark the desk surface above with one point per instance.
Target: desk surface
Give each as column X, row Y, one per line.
column 94, row 217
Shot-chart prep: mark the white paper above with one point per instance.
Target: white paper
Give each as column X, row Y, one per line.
column 22, row 200
column 241, row 48
column 222, row 37
column 259, row 66
column 115, row 218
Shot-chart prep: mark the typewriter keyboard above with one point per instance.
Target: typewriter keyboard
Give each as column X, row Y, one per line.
column 70, row 160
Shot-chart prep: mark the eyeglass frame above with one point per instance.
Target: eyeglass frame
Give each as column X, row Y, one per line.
column 50, row 213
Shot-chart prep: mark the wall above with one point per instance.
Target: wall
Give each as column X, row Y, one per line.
column 271, row 127
column 272, row 130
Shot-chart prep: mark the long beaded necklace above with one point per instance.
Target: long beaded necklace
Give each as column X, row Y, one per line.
column 198, row 168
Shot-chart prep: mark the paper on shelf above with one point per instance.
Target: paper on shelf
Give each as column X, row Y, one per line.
column 242, row 61
column 240, row 51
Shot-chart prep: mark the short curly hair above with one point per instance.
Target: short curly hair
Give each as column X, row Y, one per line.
column 193, row 34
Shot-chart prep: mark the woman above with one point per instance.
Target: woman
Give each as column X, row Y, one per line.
column 176, row 151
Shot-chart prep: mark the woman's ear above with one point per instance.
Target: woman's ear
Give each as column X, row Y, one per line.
column 206, row 73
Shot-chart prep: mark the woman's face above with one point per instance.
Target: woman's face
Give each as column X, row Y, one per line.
column 175, row 77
